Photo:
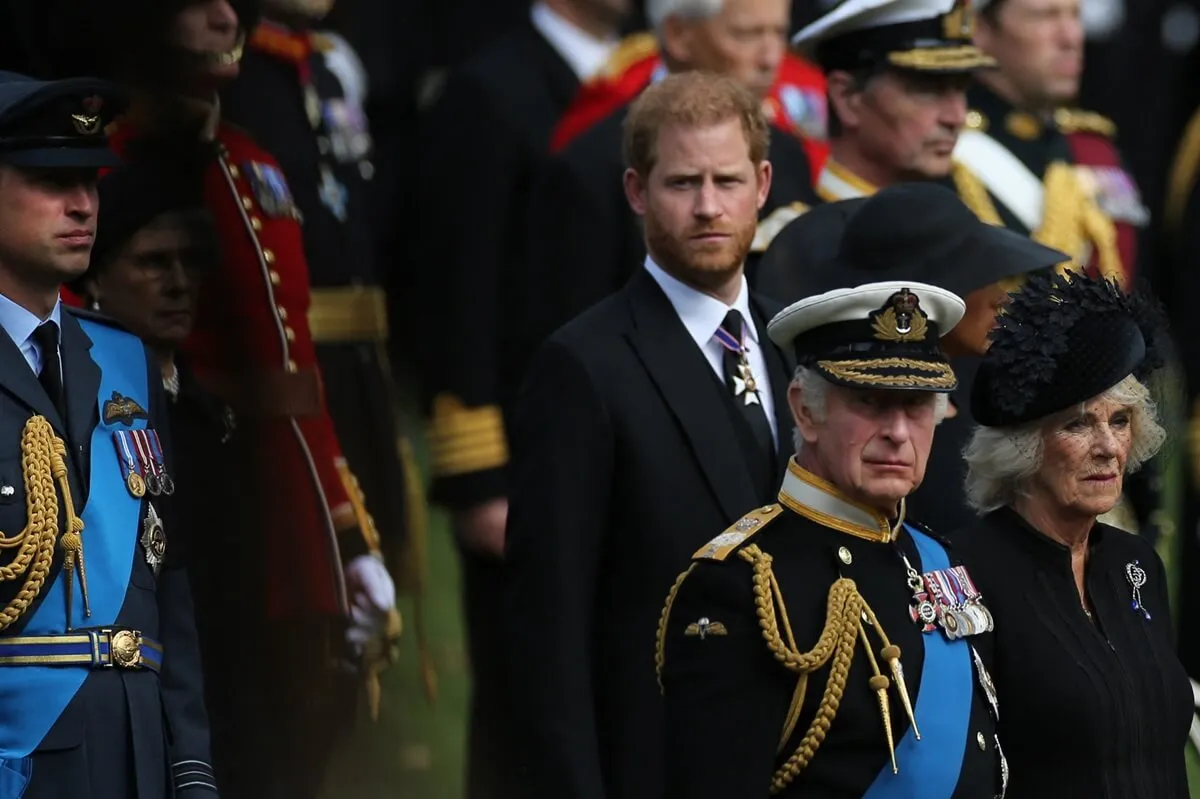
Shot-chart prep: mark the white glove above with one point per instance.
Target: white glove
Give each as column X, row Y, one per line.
column 372, row 597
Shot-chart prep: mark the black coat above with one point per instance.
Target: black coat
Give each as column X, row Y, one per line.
column 1100, row 710
column 626, row 455
column 125, row 732
column 481, row 145
column 584, row 239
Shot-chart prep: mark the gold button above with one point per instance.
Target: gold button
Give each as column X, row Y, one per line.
column 291, row 366
column 289, row 334
column 247, row 203
column 979, row 739
column 844, row 556
column 234, row 172
column 255, row 223
column 282, row 312
column 275, row 280
column 268, row 255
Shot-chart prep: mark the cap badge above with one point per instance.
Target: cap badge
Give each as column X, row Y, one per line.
column 88, row 124
column 900, row 318
column 959, row 22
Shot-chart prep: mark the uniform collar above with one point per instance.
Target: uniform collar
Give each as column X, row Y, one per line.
column 836, row 182
column 804, row 493
column 20, row 323
column 584, row 53
column 700, row 313
column 991, row 112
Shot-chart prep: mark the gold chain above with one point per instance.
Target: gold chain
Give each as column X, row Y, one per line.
column 42, row 464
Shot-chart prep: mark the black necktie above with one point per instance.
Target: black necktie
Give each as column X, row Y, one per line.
column 743, row 383
column 46, row 337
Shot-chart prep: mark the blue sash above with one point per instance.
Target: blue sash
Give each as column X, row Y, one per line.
column 33, row 697
column 929, row 768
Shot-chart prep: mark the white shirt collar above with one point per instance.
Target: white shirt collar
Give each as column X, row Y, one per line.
column 19, row 323
column 700, row 313
column 584, row 53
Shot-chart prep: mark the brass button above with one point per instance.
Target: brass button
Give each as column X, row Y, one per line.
column 292, row 366
column 844, row 556
column 247, row 203
column 979, row 739
column 282, row 312
column 234, row 172
column 268, row 255
column 289, row 334
column 255, row 223
column 275, row 279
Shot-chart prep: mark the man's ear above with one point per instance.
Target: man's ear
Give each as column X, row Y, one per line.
column 635, row 191
column 676, row 39
column 845, row 98
column 801, row 414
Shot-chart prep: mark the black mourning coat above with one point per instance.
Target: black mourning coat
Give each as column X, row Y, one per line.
column 628, row 452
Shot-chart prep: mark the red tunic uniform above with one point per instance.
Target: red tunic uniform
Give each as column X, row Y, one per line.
column 795, row 103
column 251, row 346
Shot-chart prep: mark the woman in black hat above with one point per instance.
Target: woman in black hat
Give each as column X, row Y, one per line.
column 1093, row 700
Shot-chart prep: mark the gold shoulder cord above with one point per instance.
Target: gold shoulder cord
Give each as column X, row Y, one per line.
column 846, row 610
column 1069, row 220
column 42, row 464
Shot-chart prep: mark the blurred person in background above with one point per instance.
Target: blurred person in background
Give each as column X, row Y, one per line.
column 584, row 242
column 482, row 142
column 155, row 246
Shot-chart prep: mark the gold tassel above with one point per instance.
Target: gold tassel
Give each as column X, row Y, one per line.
column 879, row 684
column 891, row 654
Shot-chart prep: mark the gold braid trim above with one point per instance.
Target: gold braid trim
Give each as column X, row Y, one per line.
column 1070, row 218
column 42, row 464
column 844, row 608
column 1184, row 170
column 660, row 649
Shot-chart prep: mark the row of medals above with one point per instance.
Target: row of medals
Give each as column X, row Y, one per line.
column 155, row 484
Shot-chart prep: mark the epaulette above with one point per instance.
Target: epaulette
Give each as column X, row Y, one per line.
column 776, row 221
column 632, row 48
column 96, row 316
column 1074, row 120
column 738, row 533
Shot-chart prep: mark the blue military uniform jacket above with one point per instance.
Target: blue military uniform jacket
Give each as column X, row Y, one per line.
column 115, row 709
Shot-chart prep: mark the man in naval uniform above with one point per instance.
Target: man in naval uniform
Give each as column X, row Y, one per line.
column 897, row 73
column 1051, row 172
column 100, row 685
column 817, row 639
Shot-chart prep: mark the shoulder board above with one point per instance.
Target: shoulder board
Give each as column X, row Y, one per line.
column 632, row 48
column 738, row 533
column 93, row 316
column 776, row 221
column 1074, row 120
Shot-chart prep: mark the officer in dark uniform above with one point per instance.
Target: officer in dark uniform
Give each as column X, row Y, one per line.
column 100, row 682
column 296, row 106
column 826, row 645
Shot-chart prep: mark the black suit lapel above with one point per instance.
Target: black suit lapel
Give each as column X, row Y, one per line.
column 81, row 382
column 20, row 381
column 779, row 371
column 561, row 80
column 686, row 381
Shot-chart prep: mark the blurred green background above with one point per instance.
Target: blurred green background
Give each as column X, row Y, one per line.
column 417, row 748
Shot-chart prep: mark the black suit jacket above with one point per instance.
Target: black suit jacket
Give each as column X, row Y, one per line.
column 584, row 238
column 481, row 145
column 625, row 459
column 125, row 733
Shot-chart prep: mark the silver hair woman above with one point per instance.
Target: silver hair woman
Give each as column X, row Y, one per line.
column 1085, row 659
column 1002, row 460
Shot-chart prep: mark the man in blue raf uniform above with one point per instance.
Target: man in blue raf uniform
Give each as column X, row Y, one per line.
column 825, row 646
column 100, row 686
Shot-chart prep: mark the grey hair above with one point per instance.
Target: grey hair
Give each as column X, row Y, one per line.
column 814, row 395
column 658, row 11
column 1000, row 460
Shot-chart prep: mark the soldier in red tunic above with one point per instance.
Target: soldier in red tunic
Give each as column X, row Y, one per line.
column 327, row 594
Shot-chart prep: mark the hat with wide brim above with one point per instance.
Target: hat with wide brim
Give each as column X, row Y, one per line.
column 881, row 335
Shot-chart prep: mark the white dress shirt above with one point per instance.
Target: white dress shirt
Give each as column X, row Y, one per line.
column 702, row 314
column 19, row 323
column 584, row 53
